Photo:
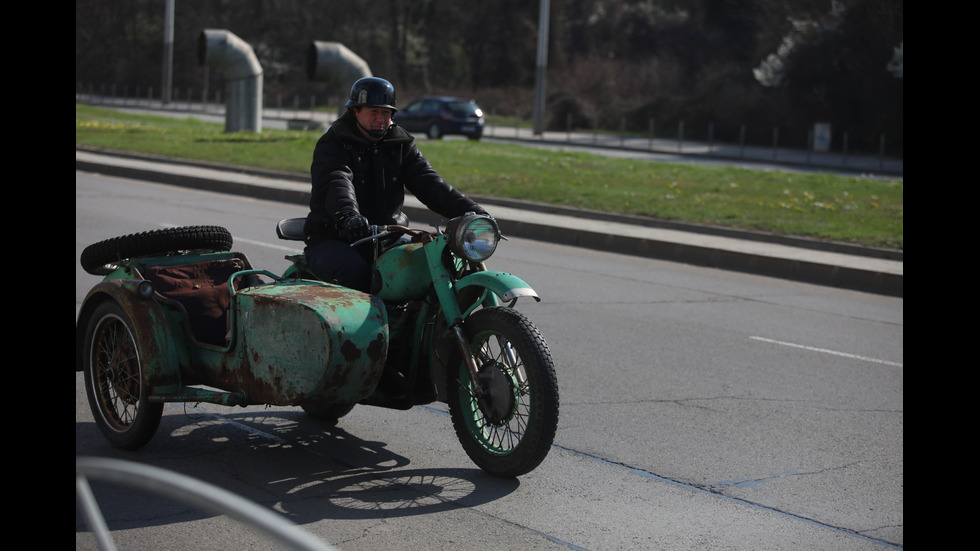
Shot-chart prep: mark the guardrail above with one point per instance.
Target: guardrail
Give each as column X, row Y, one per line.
column 183, row 488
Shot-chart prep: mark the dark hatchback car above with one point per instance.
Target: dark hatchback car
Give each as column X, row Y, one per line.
column 441, row 116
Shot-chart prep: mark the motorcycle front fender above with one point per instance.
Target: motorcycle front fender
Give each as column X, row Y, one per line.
column 506, row 287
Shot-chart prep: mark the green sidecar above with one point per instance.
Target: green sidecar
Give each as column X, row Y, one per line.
column 180, row 318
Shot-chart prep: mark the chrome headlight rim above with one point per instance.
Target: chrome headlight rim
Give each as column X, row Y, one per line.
column 473, row 237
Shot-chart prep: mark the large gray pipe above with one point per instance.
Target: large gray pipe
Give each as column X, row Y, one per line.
column 336, row 65
column 235, row 58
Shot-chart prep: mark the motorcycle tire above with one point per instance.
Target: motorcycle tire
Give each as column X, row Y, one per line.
column 114, row 380
column 510, row 433
column 97, row 257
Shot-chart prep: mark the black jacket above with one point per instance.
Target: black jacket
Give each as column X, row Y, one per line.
column 352, row 174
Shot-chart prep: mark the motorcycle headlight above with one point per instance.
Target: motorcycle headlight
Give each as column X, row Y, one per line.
column 473, row 236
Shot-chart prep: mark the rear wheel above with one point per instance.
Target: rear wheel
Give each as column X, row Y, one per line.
column 434, row 132
column 507, row 429
column 97, row 257
column 114, row 380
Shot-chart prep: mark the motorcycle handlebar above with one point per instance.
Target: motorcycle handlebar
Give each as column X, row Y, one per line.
column 377, row 232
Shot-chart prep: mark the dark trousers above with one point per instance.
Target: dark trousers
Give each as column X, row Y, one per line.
column 338, row 262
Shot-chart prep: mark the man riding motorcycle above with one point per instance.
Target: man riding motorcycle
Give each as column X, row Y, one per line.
column 361, row 168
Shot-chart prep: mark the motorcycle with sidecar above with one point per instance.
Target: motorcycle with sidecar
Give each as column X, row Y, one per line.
column 179, row 317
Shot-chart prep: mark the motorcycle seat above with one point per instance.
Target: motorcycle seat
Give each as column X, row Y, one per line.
column 291, row 229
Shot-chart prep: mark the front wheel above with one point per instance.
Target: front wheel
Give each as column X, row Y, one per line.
column 114, row 380
column 508, row 428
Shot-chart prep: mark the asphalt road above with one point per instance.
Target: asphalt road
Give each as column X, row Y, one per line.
column 701, row 409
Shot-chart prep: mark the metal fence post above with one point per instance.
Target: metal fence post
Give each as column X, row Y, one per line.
column 809, row 145
column 881, row 152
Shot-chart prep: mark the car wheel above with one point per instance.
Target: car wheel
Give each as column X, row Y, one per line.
column 434, row 132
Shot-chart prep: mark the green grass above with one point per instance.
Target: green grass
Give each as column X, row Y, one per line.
column 820, row 205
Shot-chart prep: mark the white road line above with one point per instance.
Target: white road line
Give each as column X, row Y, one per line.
column 270, row 245
column 826, row 351
column 288, row 248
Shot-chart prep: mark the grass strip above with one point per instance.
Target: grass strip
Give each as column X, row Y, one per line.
column 816, row 205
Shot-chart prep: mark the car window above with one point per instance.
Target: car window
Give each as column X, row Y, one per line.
column 464, row 107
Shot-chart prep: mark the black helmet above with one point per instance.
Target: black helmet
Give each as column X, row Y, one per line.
column 373, row 92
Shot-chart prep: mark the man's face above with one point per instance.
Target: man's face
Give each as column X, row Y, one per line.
column 374, row 120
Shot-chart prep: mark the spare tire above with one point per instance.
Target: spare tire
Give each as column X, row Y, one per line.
column 97, row 256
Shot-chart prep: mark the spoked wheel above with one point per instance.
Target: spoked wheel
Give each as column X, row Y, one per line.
column 117, row 391
column 507, row 428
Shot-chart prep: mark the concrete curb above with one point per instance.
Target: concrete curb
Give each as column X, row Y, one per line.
column 873, row 271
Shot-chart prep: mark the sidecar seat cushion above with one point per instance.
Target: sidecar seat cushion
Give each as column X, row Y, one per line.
column 202, row 289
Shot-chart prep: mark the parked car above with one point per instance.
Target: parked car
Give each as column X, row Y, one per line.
column 441, row 116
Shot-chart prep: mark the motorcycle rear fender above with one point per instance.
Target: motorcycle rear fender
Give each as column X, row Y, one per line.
column 507, row 287
column 151, row 325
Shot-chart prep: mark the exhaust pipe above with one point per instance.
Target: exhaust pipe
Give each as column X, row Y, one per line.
column 235, row 58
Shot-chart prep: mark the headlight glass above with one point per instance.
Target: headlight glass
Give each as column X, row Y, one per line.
column 476, row 238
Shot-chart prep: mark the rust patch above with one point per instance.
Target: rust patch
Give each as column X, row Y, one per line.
column 350, row 351
column 376, row 350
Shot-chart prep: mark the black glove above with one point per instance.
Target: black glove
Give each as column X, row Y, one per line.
column 352, row 227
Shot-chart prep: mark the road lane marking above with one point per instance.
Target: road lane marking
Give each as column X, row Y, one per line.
column 826, row 351
column 270, row 245
column 289, row 248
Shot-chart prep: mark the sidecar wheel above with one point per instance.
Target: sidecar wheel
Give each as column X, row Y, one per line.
column 114, row 381
column 328, row 413
column 510, row 433
column 97, row 256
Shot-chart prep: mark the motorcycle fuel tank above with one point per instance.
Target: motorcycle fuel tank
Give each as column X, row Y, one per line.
column 403, row 273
